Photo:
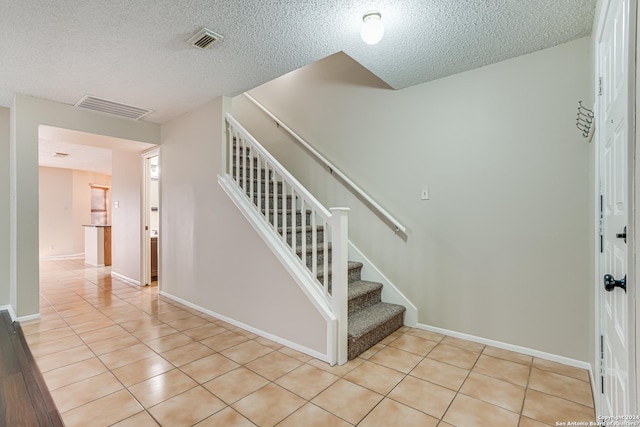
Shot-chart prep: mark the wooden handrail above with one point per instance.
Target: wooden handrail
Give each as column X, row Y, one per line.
column 332, row 168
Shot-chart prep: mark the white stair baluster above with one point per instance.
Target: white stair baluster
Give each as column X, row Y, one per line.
column 283, row 216
column 294, row 204
column 325, row 248
column 314, row 243
column 304, row 230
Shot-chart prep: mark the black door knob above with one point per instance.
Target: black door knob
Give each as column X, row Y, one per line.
column 610, row 283
column 623, row 235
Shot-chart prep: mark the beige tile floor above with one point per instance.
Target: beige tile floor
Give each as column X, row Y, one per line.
column 113, row 354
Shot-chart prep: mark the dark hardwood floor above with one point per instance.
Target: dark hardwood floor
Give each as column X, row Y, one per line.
column 24, row 397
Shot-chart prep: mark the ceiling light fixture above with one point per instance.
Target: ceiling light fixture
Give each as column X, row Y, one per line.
column 372, row 28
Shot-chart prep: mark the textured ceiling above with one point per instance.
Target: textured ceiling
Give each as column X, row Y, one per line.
column 136, row 52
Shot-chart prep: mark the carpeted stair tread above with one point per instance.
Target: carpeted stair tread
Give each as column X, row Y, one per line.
column 351, row 265
column 369, row 318
column 363, row 293
column 353, row 270
column 362, row 287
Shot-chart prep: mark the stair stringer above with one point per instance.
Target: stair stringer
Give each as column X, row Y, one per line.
column 390, row 293
column 300, row 275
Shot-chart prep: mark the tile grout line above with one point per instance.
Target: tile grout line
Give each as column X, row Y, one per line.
column 136, row 299
column 101, row 361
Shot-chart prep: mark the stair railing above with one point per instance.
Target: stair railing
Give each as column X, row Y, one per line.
column 333, row 170
column 315, row 236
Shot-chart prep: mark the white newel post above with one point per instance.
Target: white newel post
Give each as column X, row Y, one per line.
column 339, row 249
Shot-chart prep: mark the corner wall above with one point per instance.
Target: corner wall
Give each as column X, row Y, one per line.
column 210, row 255
column 126, row 188
column 503, row 248
column 27, row 114
column 4, row 206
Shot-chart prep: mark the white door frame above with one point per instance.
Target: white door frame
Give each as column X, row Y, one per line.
column 633, row 258
column 635, row 83
column 145, row 219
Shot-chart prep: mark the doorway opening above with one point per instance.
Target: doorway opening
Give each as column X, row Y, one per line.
column 151, row 218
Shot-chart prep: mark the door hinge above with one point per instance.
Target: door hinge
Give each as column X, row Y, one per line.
column 601, row 206
column 601, row 347
column 599, row 85
column 601, row 224
column 601, row 363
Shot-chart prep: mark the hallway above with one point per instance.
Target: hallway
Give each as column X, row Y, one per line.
column 113, row 354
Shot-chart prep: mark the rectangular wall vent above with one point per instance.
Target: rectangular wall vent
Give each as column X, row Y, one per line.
column 112, row 107
column 204, row 38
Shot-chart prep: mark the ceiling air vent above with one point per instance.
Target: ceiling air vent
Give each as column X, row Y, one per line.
column 112, row 107
column 58, row 154
column 204, row 38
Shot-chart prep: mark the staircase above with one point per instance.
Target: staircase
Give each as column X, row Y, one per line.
column 369, row 319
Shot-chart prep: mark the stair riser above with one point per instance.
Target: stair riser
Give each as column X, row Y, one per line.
column 362, row 301
column 319, row 256
column 353, row 275
column 365, row 342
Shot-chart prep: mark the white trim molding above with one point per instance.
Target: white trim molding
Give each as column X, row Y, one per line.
column 313, row 353
column 28, row 318
column 511, row 347
column 127, row 280
column 58, row 257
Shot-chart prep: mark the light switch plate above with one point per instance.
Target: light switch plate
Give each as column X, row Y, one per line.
column 424, row 195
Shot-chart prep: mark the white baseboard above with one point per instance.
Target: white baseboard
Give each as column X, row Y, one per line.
column 511, row 347
column 127, row 280
column 27, row 318
column 10, row 310
column 56, row 257
column 14, row 318
column 279, row 340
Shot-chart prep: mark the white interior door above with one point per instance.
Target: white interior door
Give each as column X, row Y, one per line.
column 613, row 117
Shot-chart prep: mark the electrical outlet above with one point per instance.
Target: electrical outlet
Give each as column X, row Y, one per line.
column 424, row 195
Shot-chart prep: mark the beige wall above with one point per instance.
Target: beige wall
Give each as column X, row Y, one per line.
column 210, row 255
column 126, row 182
column 4, row 206
column 27, row 114
column 64, row 207
column 503, row 249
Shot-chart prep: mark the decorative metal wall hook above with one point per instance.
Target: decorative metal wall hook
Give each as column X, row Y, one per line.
column 584, row 122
